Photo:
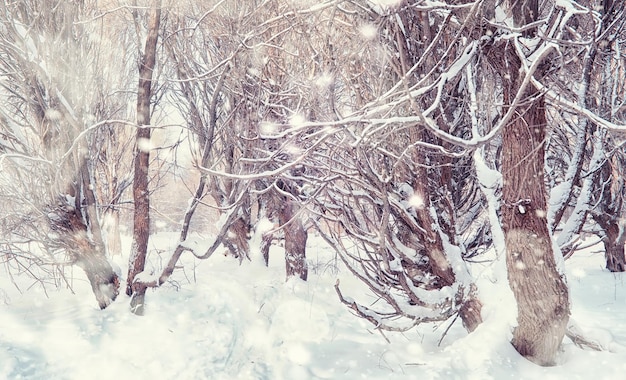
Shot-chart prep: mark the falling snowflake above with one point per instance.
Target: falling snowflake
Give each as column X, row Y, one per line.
column 416, row 201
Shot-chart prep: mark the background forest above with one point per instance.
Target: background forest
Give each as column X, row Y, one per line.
column 414, row 141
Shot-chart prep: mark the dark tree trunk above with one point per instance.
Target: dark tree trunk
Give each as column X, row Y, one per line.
column 295, row 240
column 540, row 291
column 470, row 311
column 266, row 243
column 614, row 247
column 141, row 195
column 608, row 217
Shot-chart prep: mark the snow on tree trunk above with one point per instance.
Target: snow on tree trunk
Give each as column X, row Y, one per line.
column 609, row 216
column 103, row 280
column 69, row 222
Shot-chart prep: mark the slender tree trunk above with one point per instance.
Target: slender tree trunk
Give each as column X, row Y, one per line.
column 295, row 240
column 609, row 216
column 266, row 210
column 611, row 185
column 470, row 311
column 141, row 195
column 614, row 247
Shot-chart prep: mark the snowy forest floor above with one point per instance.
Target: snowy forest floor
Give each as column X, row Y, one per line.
column 220, row 320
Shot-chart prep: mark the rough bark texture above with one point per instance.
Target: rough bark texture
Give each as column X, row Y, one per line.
column 540, row 291
column 614, row 247
column 470, row 311
column 609, row 217
column 295, row 240
column 433, row 246
column 141, row 195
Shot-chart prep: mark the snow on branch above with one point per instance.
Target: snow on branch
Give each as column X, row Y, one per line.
column 555, row 99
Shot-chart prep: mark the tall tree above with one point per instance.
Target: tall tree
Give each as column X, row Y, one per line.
column 539, row 288
column 141, row 192
column 611, row 205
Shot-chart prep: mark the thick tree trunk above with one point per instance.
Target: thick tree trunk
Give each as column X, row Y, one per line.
column 141, row 195
column 540, row 290
column 295, row 240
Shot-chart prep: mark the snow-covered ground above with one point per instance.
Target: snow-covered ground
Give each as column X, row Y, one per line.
column 220, row 320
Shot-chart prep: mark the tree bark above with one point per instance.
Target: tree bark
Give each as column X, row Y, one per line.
column 141, row 195
column 539, row 289
column 614, row 247
column 295, row 240
column 609, row 216
column 611, row 184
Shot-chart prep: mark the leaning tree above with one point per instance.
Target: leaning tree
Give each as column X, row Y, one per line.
column 50, row 110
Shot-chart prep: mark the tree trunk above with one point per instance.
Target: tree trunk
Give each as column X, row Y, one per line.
column 539, row 289
column 295, row 240
column 103, row 280
column 69, row 222
column 611, row 185
column 609, row 216
column 470, row 311
column 614, row 246
column 141, row 195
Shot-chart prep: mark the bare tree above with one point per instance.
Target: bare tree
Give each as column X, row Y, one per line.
column 47, row 130
column 141, row 194
column 611, row 205
column 539, row 288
